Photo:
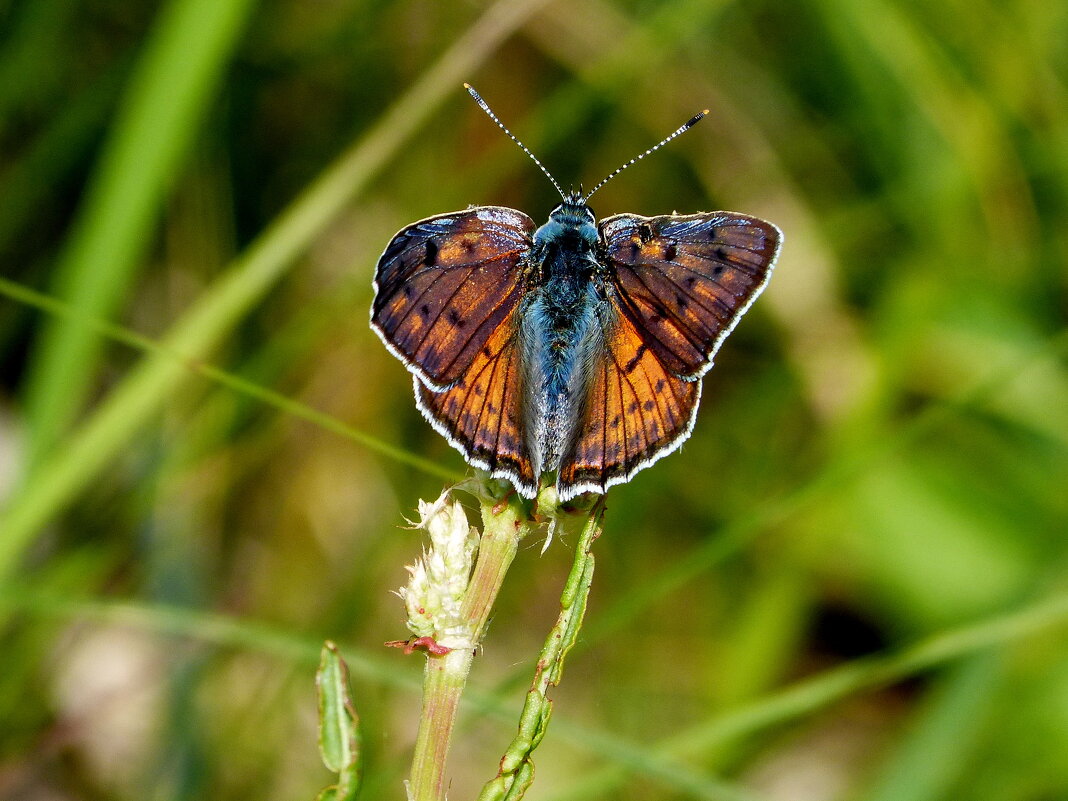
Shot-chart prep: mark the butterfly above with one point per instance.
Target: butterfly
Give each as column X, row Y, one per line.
column 570, row 353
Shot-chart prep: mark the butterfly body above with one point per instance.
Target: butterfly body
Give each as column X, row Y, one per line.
column 560, row 328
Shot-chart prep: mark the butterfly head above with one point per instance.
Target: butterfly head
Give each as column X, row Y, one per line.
column 572, row 221
column 574, row 210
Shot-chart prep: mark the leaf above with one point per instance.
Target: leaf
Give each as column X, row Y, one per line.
column 339, row 726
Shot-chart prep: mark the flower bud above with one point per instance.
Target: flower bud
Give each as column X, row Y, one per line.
column 439, row 579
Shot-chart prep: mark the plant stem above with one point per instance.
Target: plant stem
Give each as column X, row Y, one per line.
column 443, row 683
column 516, row 770
column 504, row 525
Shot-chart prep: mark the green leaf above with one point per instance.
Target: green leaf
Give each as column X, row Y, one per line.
column 339, row 726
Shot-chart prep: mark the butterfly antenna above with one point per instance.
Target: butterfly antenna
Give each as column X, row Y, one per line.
column 680, row 130
column 513, row 137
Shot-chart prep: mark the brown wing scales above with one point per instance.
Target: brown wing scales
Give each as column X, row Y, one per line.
column 445, row 284
column 480, row 414
column 684, row 281
column 635, row 412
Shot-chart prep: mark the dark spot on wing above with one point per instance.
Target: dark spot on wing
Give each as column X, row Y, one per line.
column 633, row 363
column 408, row 291
column 491, row 408
column 660, row 384
column 486, row 351
column 478, row 390
column 424, row 310
column 430, row 258
column 690, row 281
column 633, row 407
column 648, row 406
column 671, row 250
column 645, row 232
column 721, row 252
column 718, row 270
column 456, row 319
column 681, row 301
column 616, row 421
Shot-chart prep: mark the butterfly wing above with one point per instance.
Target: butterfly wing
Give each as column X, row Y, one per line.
column 684, row 281
column 636, row 411
column 676, row 287
column 480, row 414
column 445, row 284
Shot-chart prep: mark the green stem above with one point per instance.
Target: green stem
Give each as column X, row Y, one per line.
column 443, row 684
column 516, row 770
column 504, row 525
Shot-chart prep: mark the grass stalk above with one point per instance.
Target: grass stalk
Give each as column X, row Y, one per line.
column 169, row 93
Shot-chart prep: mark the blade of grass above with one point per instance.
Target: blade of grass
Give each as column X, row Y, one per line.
column 27, row 62
column 963, row 116
column 220, row 629
column 145, row 390
column 169, row 93
column 46, row 161
column 226, row 379
column 949, row 725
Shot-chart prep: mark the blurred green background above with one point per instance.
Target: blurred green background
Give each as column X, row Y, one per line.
column 849, row 584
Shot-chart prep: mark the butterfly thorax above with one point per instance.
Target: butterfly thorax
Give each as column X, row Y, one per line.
column 560, row 327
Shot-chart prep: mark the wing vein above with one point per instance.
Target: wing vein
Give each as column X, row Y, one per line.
column 487, row 320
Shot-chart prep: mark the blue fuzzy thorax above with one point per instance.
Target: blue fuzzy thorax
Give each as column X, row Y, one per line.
column 561, row 327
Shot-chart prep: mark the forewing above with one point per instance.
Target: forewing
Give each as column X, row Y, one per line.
column 636, row 411
column 445, row 284
column 684, row 281
column 480, row 413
